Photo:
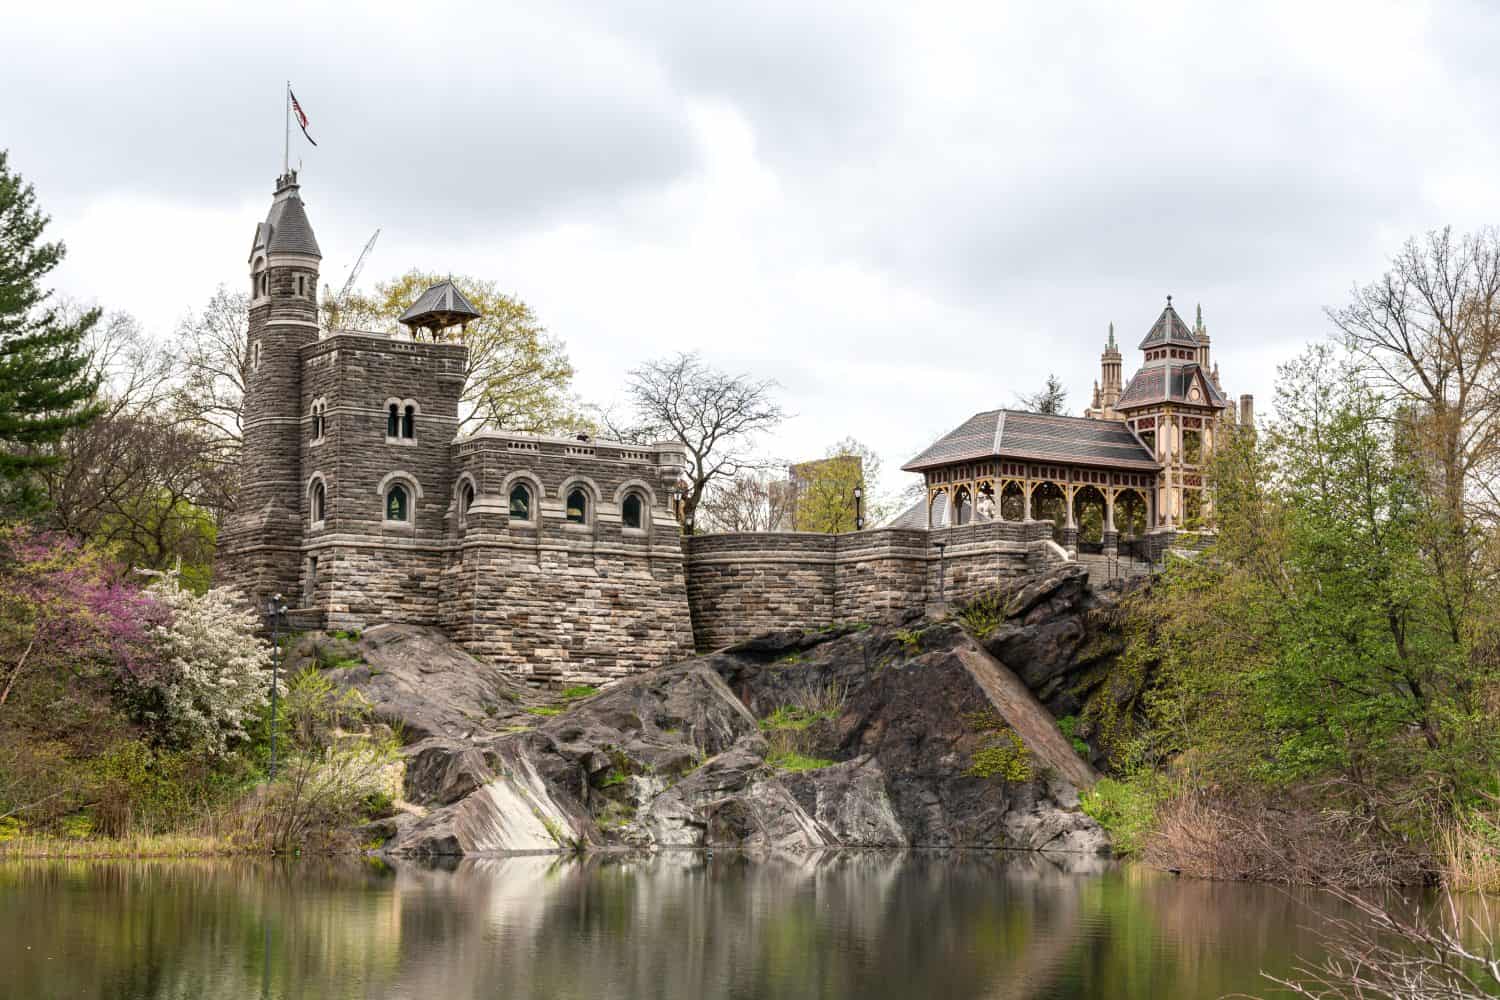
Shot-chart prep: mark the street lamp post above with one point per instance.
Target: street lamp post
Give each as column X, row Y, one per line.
column 276, row 609
column 942, row 598
column 859, row 516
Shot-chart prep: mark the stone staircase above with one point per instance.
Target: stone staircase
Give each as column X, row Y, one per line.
column 1102, row 568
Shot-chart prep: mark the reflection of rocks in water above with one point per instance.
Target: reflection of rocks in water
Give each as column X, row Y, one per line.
column 685, row 924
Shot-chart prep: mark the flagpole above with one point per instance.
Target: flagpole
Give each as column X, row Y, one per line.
column 286, row 136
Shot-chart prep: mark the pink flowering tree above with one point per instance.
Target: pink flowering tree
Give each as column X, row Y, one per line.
column 69, row 607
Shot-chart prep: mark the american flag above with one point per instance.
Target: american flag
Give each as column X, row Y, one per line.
column 301, row 116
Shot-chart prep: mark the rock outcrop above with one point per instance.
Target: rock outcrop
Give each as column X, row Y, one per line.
column 845, row 737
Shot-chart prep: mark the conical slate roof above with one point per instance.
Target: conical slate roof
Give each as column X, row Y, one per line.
column 1169, row 329
column 286, row 229
column 441, row 306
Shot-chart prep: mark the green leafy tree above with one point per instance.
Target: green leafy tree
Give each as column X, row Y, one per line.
column 519, row 377
column 1314, row 640
column 824, row 489
column 45, row 385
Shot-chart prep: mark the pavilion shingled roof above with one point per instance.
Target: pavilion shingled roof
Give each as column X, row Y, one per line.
column 1170, row 384
column 1037, row 437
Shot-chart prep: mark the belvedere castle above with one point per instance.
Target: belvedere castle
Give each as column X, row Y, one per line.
column 562, row 559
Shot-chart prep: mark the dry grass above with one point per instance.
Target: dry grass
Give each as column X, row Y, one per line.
column 1469, row 851
column 1284, row 840
column 163, row 846
column 787, row 729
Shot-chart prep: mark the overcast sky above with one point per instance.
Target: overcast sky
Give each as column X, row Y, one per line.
column 903, row 213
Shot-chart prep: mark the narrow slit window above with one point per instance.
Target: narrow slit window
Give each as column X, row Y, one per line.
column 319, row 501
column 393, row 421
column 409, row 423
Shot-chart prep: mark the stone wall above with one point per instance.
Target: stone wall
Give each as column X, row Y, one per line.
column 740, row 585
column 358, row 567
column 553, row 601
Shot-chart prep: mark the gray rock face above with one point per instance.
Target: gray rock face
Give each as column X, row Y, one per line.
column 1063, row 639
column 797, row 741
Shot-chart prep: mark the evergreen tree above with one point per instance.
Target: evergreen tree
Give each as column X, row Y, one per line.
column 1052, row 399
column 45, row 383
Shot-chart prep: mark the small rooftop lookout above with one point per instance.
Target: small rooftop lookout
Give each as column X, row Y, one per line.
column 439, row 308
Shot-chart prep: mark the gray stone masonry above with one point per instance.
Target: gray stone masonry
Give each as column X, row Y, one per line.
column 741, row 585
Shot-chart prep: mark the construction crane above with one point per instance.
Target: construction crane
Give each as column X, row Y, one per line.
column 354, row 272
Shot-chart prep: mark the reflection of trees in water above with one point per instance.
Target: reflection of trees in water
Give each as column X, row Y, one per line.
column 180, row 929
column 673, row 925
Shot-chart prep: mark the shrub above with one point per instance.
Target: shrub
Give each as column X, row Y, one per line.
column 1126, row 810
column 217, row 671
column 983, row 615
column 333, row 774
column 578, row 691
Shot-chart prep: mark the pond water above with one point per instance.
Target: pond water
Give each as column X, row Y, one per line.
column 868, row 925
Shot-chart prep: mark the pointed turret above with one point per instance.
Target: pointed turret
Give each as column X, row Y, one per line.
column 1168, row 331
column 1108, row 387
column 1201, row 332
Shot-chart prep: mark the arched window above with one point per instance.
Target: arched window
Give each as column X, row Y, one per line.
column 265, row 283
column 465, row 499
column 319, row 501
column 578, row 506
column 520, row 503
column 397, row 503
column 318, row 409
column 393, row 421
column 632, row 511
column 409, row 422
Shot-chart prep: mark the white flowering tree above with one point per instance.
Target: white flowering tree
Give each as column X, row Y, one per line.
column 217, row 671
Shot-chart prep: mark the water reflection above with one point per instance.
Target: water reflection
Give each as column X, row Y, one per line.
column 949, row 924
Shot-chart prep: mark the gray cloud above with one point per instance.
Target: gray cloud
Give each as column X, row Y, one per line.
column 906, row 213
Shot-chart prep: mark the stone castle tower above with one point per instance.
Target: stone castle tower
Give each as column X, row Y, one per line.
column 362, row 501
column 262, row 540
